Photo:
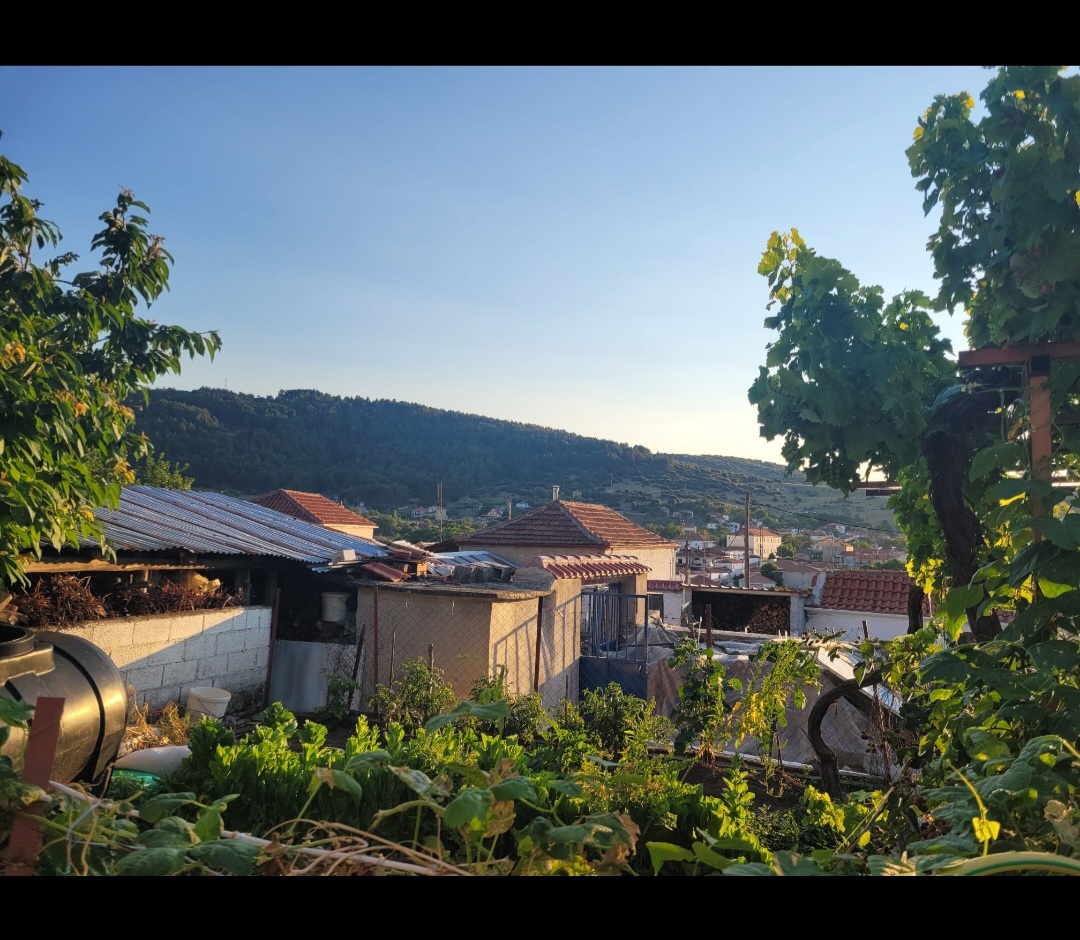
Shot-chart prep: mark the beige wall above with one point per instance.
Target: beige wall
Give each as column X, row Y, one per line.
column 360, row 531
column 466, row 636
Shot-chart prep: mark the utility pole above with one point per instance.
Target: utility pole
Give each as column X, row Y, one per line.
column 746, row 544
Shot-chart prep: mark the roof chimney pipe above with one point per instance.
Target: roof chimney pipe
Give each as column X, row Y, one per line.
column 554, row 493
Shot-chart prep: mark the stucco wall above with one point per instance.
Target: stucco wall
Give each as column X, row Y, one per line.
column 162, row 656
column 880, row 626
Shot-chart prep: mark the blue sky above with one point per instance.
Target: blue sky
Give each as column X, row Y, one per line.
column 574, row 247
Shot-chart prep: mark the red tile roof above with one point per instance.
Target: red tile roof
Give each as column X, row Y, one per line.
column 665, row 585
column 311, row 507
column 878, row 592
column 592, row 569
column 588, row 525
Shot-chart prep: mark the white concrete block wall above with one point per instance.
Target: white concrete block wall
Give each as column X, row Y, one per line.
column 162, row 656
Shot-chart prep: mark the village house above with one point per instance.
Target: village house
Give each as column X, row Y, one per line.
column 762, row 542
column 860, row 603
column 571, row 528
column 317, row 509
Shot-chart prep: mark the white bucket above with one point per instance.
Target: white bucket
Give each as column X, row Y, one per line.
column 203, row 700
column 333, row 606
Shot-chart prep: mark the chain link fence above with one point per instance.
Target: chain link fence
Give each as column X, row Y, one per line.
column 559, row 644
column 532, row 639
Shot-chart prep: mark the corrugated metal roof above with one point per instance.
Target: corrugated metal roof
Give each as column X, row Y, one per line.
column 473, row 558
column 150, row 519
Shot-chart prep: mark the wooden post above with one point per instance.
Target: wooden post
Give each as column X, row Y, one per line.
column 24, row 843
column 1038, row 392
column 375, row 638
column 274, row 607
column 708, row 625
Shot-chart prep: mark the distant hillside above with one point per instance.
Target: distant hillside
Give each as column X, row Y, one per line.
column 386, row 453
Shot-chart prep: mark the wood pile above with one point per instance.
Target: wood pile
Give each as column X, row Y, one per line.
column 9, row 613
column 741, row 614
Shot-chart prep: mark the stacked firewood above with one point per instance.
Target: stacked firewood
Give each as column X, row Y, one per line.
column 9, row 612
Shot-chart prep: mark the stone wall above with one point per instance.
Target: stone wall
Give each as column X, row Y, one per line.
column 162, row 656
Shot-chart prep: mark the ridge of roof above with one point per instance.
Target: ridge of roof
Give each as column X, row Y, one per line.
column 310, row 507
column 565, row 523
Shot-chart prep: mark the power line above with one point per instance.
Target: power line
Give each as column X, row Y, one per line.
column 818, row 519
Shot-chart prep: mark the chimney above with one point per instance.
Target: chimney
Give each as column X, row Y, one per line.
column 554, row 493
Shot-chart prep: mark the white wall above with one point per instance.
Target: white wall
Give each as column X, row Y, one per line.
column 880, row 626
column 163, row 655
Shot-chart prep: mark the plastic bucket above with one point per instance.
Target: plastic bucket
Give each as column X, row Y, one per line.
column 333, row 606
column 203, row 700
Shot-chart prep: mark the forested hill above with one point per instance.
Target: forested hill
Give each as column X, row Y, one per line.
column 385, row 452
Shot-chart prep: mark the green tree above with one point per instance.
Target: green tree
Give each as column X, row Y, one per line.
column 72, row 349
column 155, row 470
column 852, row 381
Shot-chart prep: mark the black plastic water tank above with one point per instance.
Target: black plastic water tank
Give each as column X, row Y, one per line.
column 43, row 664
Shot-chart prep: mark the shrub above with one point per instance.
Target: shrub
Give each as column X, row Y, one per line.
column 421, row 693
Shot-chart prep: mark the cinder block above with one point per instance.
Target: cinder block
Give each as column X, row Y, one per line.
column 257, row 638
column 182, row 626
column 113, row 634
column 132, row 656
column 231, row 641
column 179, row 673
column 199, row 647
column 144, row 678
column 169, row 653
column 214, row 667
column 243, row 661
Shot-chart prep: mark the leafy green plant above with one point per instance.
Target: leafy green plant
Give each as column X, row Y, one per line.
column 525, row 716
column 419, row 694
column 620, row 723
column 701, row 713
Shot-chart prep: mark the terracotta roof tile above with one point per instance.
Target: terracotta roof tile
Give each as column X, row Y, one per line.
column 311, row 507
column 588, row 525
column 592, row 569
column 878, row 592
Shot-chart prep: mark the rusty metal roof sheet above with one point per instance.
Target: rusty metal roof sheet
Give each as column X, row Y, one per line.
column 383, row 572
column 151, row 519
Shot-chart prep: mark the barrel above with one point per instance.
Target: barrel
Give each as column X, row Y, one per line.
column 46, row 664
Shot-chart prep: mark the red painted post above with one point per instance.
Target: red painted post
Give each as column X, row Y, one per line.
column 24, row 843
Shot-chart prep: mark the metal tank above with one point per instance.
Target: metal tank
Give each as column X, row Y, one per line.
column 43, row 664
